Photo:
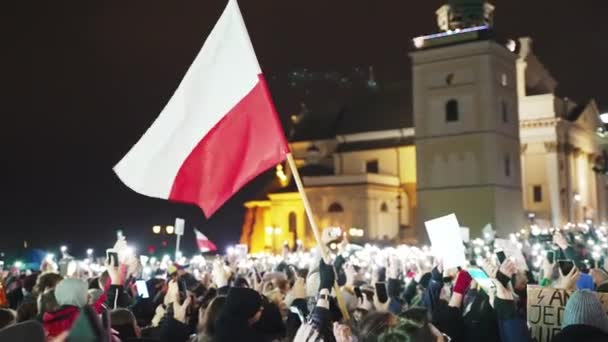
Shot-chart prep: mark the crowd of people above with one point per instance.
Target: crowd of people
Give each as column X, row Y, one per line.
column 360, row 293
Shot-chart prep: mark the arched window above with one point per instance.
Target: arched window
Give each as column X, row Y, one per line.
column 451, row 111
column 507, row 166
column 335, row 208
column 384, row 207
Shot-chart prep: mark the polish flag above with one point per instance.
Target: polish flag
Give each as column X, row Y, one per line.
column 218, row 131
column 204, row 244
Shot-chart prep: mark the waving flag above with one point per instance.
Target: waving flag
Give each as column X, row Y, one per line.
column 218, row 131
column 204, row 244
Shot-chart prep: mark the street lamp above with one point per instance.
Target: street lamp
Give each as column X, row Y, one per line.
column 156, row 229
column 89, row 252
column 170, row 230
column 604, row 117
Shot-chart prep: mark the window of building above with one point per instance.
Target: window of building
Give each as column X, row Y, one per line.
column 505, row 111
column 503, row 79
column 537, row 192
column 449, row 79
column 293, row 223
column 335, row 208
column 451, row 111
column 508, row 165
column 384, row 207
column 371, row 166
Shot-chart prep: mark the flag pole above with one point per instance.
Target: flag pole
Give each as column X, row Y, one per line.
column 315, row 229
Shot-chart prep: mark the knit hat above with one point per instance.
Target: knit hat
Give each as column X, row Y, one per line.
column 584, row 308
column 242, row 302
column 71, row 292
column 585, row 282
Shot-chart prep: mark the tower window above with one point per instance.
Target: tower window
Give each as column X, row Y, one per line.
column 537, row 191
column 451, row 111
column 371, row 166
column 384, row 208
column 507, row 166
column 335, row 208
column 503, row 80
column 505, row 111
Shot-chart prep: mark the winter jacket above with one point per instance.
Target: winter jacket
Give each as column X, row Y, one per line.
column 580, row 333
column 60, row 320
column 433, row 291
column 512, row 326
column 480, row 318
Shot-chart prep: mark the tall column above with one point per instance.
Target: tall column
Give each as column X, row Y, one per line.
column 552, row 169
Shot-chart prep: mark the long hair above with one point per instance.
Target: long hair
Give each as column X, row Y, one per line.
column 207, row 324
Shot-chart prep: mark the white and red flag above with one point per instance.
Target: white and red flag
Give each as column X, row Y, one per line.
column 218, row 131
column 204, row 244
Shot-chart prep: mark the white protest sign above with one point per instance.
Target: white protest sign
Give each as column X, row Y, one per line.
column 512, row 251
column 466, row 234
column 446, row 240
column 179, row 226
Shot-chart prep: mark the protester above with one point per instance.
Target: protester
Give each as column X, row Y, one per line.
column 358, row 293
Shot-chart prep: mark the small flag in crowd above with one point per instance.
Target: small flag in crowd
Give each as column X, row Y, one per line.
column 204, row 244
column 218, row 131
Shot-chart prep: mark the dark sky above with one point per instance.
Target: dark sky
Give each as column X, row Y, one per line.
column 83, row 81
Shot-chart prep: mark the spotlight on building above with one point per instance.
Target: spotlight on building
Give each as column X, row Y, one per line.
column 604, row 117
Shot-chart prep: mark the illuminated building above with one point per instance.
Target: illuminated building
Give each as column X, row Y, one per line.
column 478, row 131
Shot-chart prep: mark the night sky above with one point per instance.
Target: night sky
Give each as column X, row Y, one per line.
column 83, row 81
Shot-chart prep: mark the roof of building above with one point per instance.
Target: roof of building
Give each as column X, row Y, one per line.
column 385, row 107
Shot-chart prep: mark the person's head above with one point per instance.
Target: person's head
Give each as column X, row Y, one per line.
column 46, row 281
column 26, row 311
column 47, row 302
column 375, row 324
column 8, row 317
column 123, row 321
column 104, row 278
column 72, row 292
column 29, row 282
column 412, row 326
column 208, row 316
column 584, row 308
column 243, row 305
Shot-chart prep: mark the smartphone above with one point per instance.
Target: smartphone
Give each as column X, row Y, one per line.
column 551, row 257
column 382, row 274
column 142, row 289
column 358, row 292
column 565, row 266
column 381, row 292
column 501, row 257
column 112, row 257
column 481, row 277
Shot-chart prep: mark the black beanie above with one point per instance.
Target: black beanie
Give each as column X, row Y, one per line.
column 242, row 302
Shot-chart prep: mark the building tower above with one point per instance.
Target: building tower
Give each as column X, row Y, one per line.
column 467, row 125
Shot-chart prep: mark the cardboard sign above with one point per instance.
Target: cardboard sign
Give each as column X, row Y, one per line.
column 512, row 251
column 446, row 240
column 546, row 308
